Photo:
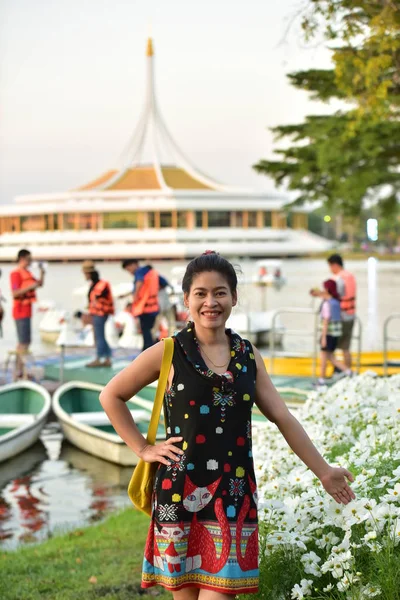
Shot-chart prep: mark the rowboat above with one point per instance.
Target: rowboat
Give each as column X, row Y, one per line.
column 24, row 407
column 84, row 423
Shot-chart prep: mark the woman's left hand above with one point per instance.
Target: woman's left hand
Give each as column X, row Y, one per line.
column 335, row 483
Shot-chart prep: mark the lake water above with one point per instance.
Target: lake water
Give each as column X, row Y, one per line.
column 54, row 486
column 378, row 294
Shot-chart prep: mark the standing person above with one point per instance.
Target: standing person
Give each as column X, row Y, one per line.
column 145, row 304
column 23, row 288
column 347, row 288
column 202, row 542
column 101, row 305
column 331, row 329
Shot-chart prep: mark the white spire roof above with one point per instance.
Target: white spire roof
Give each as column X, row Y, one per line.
column 152, row 132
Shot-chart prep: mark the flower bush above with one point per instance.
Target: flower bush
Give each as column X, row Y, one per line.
column 312, row 547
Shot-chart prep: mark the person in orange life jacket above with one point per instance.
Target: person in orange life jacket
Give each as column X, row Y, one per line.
column 331, row 328
column 145, row 304
column 23, row 288
column 101, row 305
column 347, row 289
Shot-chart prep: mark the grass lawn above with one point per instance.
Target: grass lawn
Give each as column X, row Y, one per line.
column 103, row 561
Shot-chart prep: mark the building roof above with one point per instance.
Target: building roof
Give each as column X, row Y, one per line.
column 132, row 174
column 145, row 178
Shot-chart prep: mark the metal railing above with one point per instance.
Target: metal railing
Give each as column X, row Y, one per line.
column 314, row 334
column 388, row 338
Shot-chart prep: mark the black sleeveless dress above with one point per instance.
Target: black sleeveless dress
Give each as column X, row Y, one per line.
column 204, row 528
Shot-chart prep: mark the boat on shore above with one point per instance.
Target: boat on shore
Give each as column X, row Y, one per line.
column 85, row 424
column 24, row 408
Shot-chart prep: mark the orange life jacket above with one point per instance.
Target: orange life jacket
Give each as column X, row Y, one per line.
column 27, row 280
column 147, row 300
column 104, row 304
column 348, row 300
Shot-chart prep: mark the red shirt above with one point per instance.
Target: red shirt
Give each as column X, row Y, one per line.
column 22, row 306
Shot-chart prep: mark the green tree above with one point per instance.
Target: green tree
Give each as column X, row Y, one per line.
column 366, row 34
column 351, row 158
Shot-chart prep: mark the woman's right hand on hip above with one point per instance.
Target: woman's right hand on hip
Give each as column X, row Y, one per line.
column 164, row 452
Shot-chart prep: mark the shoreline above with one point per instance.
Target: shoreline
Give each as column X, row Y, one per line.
column 347, row 255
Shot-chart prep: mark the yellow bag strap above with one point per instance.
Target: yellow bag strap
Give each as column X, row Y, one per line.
column 161, row 386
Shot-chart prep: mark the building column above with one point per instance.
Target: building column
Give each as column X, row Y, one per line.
column 204, row 219
column 245, row 223
column 190, row 220
column 260, row 219
column 76, row 221
column 51, row 221
column 157, row 219
column 175, row 219
column 93, row 221
column 274, row 220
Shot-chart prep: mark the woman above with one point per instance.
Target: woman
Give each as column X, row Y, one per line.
column 101, row 305
column 203, row 536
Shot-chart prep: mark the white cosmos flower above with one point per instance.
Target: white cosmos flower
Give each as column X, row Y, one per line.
column 327, row 540
column 370, row 591
column 356, row 512
column 375, row 547
column 302, row 590
column 371, row 535
column 396, row 472
column 393, row 495
column 384, row 480
column 344, row 583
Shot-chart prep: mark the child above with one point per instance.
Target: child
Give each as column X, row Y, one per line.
column 331, row 329
column 202, row 542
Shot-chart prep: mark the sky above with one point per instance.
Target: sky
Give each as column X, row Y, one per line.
column 72, row 85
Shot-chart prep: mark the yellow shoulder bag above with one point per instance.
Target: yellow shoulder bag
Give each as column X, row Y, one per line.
column 140, row 489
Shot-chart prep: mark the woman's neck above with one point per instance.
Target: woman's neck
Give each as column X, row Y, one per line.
column 210, row 337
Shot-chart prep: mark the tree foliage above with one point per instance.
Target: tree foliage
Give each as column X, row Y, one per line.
column 351, row 157
column 366, row 34
column 327, row 164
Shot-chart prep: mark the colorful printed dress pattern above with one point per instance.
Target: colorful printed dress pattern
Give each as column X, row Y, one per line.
column 204, row 527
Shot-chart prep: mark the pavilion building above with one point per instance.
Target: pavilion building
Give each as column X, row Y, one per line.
column 154, row 209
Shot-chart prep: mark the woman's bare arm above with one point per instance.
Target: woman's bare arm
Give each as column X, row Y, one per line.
column 143, row 370
column 273, row 407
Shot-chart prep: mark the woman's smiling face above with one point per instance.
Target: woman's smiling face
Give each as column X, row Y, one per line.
column 210, row 300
